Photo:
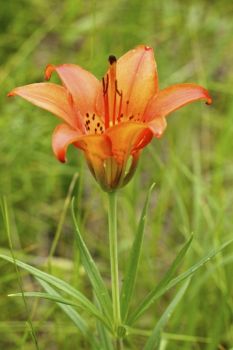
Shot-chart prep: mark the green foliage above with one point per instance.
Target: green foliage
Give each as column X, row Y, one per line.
column 154, row 340
column 132, row 268
column 191, row 165
column 92, row 271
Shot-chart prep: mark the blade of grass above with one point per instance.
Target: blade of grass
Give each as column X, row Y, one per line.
column 164, row 287
column 104, row 337
column 105, row 340
column 78, row 320
column 6, row 220
column 65, row 304
column 132, row 268
column 154, row 340
column 158, row 290
column 92, row 271
column 61, row 285
column 61, row 220
column 42, row 295
column 69, row 311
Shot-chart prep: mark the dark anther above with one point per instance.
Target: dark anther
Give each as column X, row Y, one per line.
column 87, row 114
column 98, row 124
column 93, row 117
column 112, row 59
column 131, row 117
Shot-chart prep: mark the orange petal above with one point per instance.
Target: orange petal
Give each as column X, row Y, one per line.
column 63, row 136
column 176, row 96
column 48, row 96
column 127, row 138
column 98, row 146
column 158, row 126
column 137, row 78
column 82, row 85
column 97, row 149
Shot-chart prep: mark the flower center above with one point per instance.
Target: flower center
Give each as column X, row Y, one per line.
column 114, row 113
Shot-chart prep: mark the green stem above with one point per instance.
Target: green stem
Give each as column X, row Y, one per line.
column 119, row 344
column 112, row 222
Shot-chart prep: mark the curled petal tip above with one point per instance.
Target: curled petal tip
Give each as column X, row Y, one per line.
column 48, row 71
column 207, row 97
column 11, row 93
column 62, row 159
column 144, row 47
column 158, row 135
column 60, row 155
column 209, row 100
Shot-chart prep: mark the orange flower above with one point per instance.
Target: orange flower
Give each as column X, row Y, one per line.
column 110, row 120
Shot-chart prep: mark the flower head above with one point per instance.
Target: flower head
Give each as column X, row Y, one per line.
column 111, row 120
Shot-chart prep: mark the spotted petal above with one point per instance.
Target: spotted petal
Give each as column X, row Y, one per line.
column 97, row 148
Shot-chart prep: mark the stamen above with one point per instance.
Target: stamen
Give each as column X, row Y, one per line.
column 117, row 91
column 113, row 98
column 114, row 104
column 106, row 104
column 120, row 115
column 112, row 88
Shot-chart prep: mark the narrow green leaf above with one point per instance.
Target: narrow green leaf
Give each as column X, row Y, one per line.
column 104, row 336
column 154, row 340
column 47, row 296
column 105, row 340
column 155, row 293
column 6, row 220
column 132, row 268
column 70, row 312
column 93, row 273
column 65, row 305
column 196, row 266
column 60, row 284
column 158, row 290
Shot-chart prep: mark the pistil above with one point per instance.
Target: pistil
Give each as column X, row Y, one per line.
column 111, row 95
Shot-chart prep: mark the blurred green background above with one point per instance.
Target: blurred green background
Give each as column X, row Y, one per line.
column 192, row 165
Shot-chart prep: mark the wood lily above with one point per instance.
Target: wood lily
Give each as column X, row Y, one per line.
column 111, row 120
